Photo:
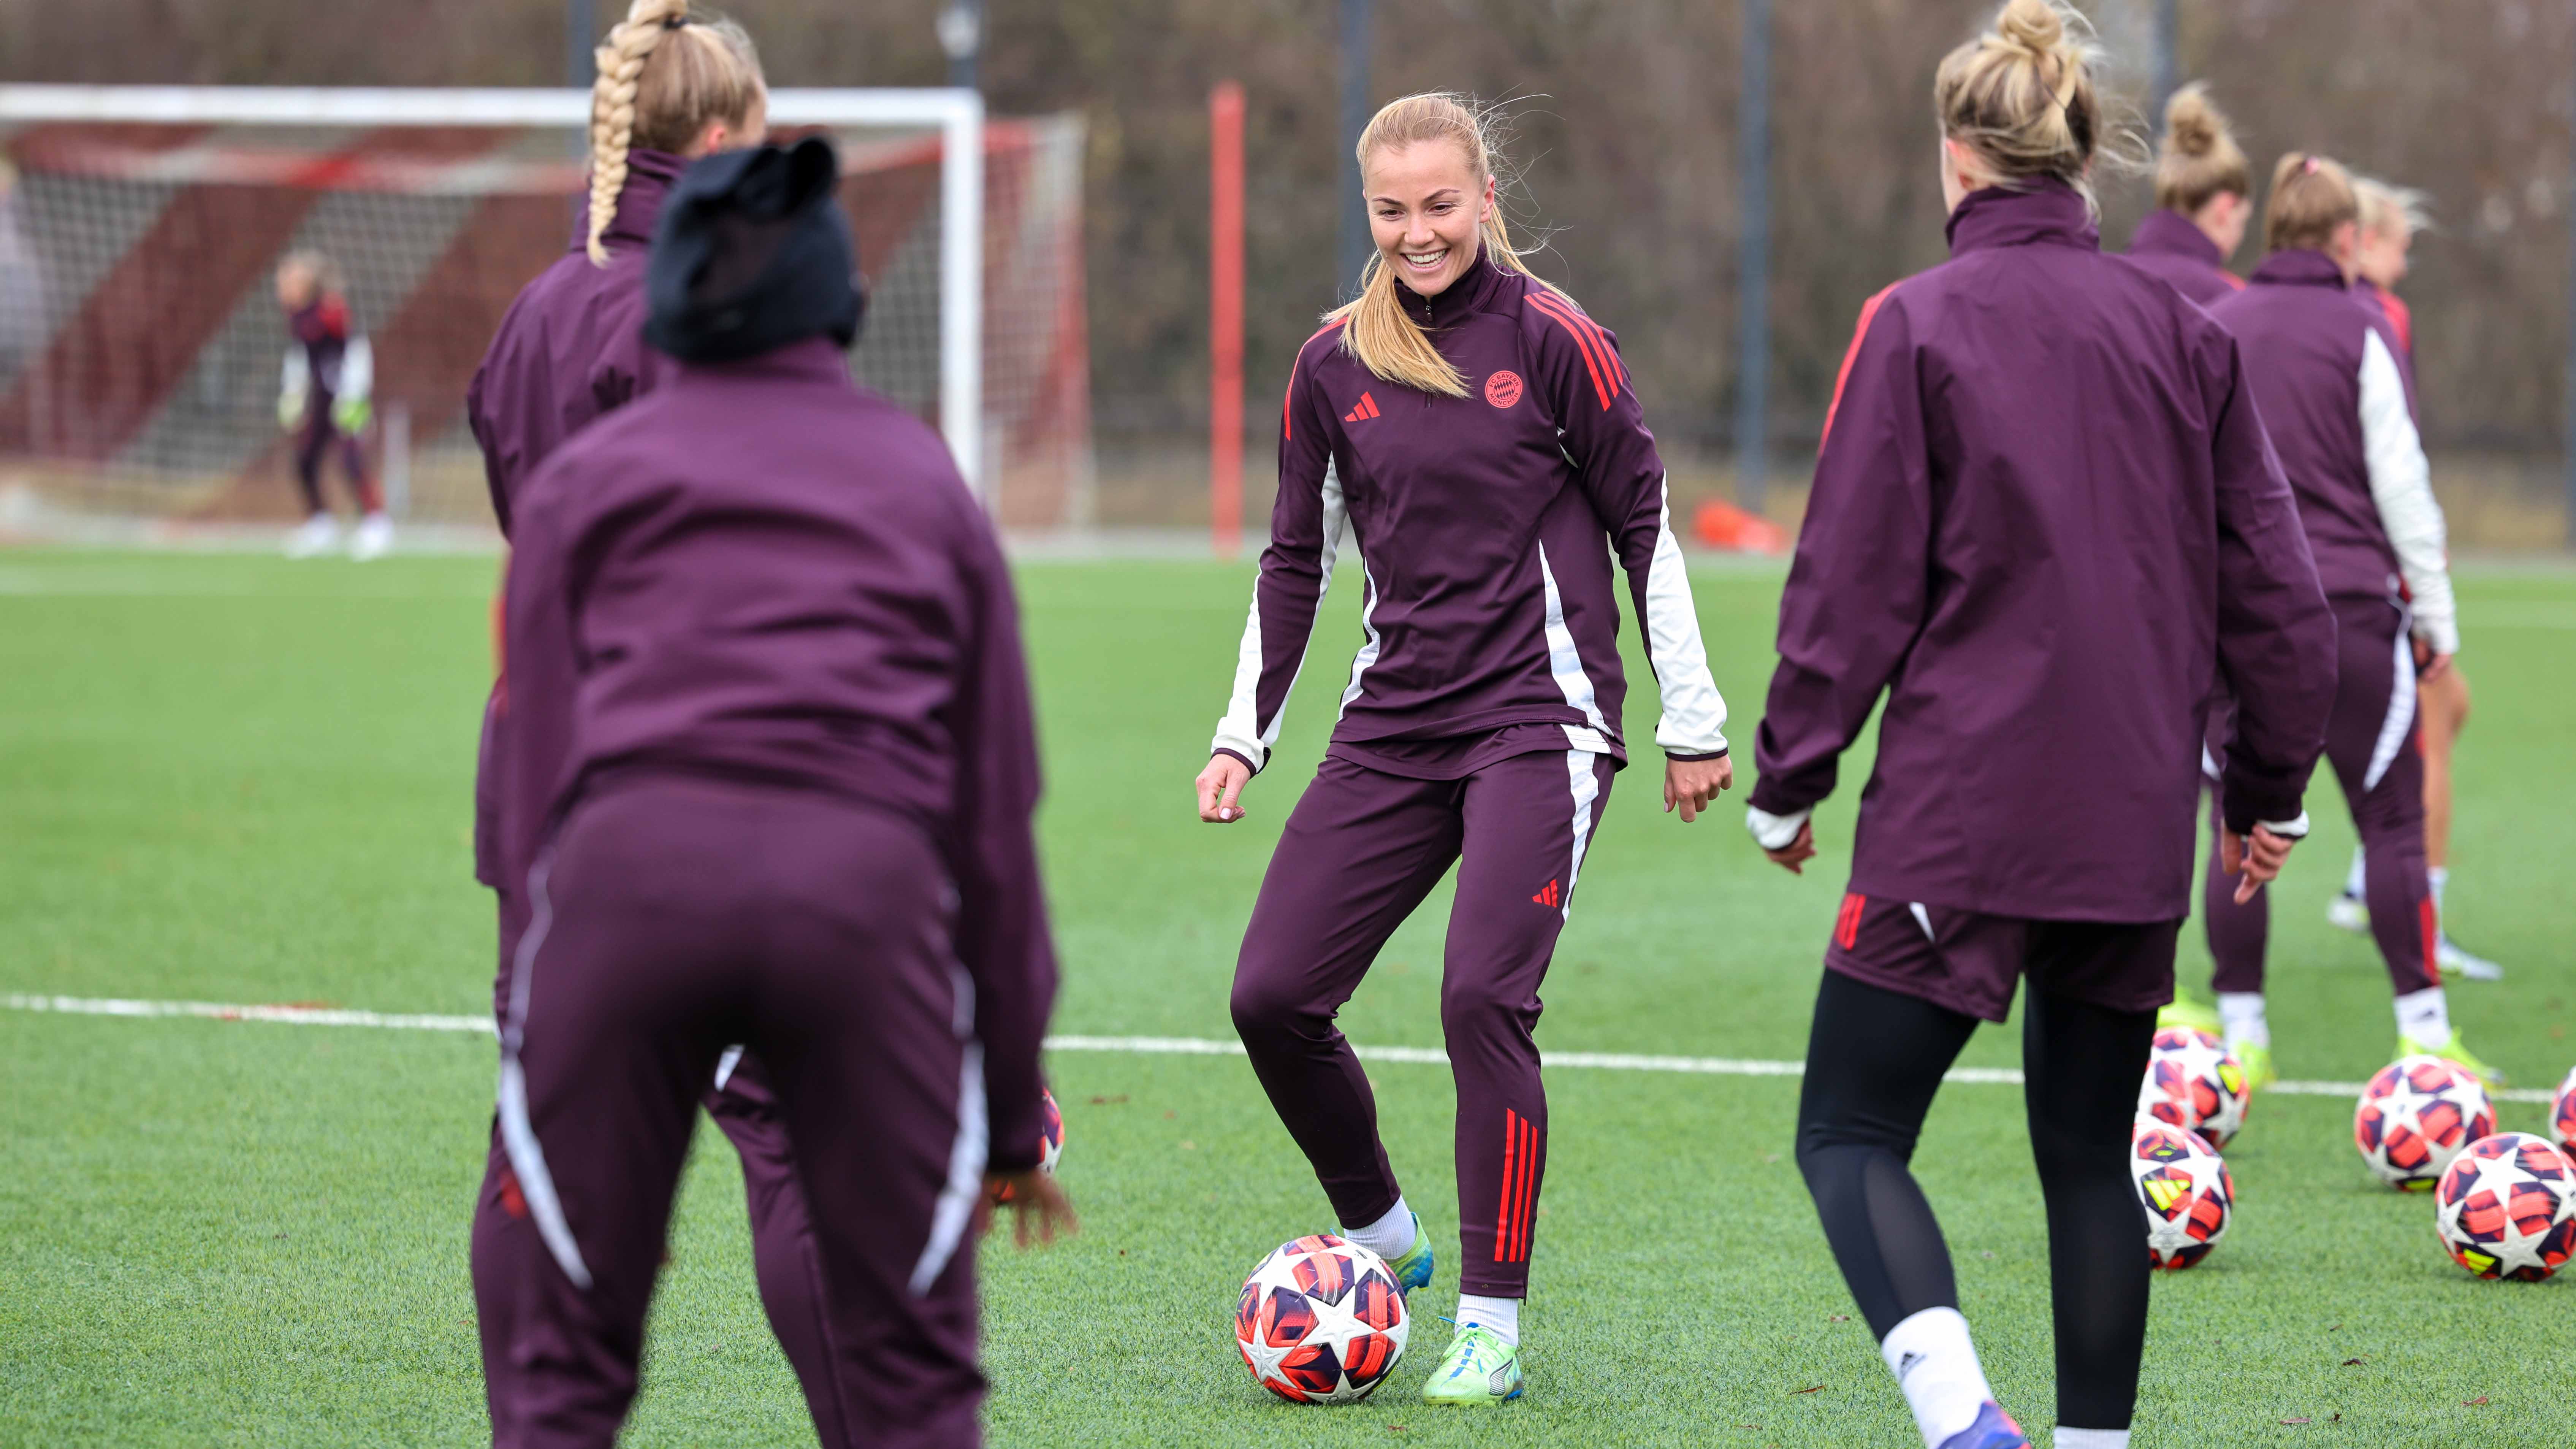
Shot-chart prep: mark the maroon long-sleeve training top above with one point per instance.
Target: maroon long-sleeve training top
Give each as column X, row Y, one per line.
column 2173, row 246
column 571, row 347
column 2045, row 523
column 2338, row 397
column 762, row 572
column 1486, row 528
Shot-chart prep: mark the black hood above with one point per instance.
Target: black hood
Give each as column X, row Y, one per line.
column 752, row 253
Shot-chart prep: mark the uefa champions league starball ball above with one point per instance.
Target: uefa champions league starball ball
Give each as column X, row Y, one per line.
column 2506, row 1207
column 1321, row 1321
column 2185, row 1189
column 2415, row 1116
column 2562, row 1114
column 2195, row 1083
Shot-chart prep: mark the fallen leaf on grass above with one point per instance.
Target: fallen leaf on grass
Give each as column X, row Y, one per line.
column 2295, row 1421
column 2356, row 1362
column 2476, row 1403
column 1820, row 1388
column 1118, row 1101
column 1838, row 1318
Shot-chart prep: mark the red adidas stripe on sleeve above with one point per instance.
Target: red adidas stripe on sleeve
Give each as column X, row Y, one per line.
column 1548, row 305
column 1868, row 312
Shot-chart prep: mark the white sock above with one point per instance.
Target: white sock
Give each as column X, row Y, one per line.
column 1936, row 1365
column 2355, row 883
column 2241, row 1013
column 2440, row 875
column 2425, row 1016
column 1390, row 1237
column 1498, row 1316
column 2092, row 1438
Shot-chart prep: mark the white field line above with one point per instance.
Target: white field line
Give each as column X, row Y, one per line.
column 1183, row 1046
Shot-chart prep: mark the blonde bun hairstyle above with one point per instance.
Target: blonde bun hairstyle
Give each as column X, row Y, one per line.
column 2312, row 195
column 2022, row 97
column 2200, row 158
column 1382, row 335
column 664, row 77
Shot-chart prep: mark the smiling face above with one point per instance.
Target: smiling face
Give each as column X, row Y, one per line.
column 296, row 284
column 1427, row 208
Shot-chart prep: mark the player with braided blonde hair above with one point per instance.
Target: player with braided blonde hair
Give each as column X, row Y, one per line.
column 674, row 85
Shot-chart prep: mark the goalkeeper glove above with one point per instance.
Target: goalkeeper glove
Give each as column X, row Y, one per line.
column 352, row 414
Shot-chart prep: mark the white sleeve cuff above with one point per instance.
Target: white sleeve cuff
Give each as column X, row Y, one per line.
column 2441, row 635
column 2288, row 829
column 1779, row 832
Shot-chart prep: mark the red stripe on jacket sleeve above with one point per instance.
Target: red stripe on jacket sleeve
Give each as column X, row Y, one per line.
column 1591, row 364
column 1868, row 312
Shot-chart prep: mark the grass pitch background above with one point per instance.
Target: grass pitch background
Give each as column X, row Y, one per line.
column 238, row 779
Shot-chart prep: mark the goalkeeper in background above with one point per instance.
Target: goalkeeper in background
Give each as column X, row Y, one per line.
column 324, row 399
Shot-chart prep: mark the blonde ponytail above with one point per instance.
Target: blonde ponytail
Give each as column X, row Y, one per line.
column 2387, row 208
column 1382, row 335
column 2312, row 196
column 662, row 96
column 2200, row 158
column 2022, row 97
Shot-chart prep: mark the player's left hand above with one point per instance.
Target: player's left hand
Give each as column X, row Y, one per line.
column 1793, row 857
column 351, row 415
column 2430, row 666
column 1037, row 1202
column 2256, row 859
column 1689, row 785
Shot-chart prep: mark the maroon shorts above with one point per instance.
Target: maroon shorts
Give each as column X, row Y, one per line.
column 1970, row 962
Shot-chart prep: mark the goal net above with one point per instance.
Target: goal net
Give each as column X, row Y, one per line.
column 140, row 337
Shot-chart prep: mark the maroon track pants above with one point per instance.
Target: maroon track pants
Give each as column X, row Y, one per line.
column 1360, row 851
column 672, row 919
column 2378, row 756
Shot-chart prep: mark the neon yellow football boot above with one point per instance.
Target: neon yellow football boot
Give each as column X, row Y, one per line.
column 2456, row 1053
column 2188, row 1010
column 1478, row 1370
column 2259, row 1071
column 1413, row 1270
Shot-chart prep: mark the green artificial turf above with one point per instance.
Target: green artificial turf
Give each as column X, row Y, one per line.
column 238, row 779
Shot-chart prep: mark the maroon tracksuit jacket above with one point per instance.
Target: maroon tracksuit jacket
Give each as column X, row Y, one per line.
column 2045, row 524
column 1480, row 723
column 2172, row 246
column 2337, row 394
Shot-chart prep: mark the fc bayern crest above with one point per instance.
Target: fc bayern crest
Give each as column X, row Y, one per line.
column 1503, row 389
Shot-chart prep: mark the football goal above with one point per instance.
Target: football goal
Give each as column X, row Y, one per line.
column 140, row 227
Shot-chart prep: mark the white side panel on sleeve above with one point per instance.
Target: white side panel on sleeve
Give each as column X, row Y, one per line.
column 1242, row 730
column 1694, row 717
column 357, row 372
column 2401, row 483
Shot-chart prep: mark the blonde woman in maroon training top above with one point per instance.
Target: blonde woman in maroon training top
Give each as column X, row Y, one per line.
column 1480, row 437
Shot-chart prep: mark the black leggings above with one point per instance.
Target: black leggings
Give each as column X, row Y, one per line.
column 1875, row 1061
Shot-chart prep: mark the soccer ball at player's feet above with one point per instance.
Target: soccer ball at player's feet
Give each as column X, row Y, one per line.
column 2415, row 1116
column 1321, row 1321
column 1050, row 1140
column 2507, row 1207
column 2185, row 1189
column 2195, row 1083
column 2562, row 1114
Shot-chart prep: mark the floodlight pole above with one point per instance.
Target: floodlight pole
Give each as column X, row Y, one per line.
column 1753, row 261
column 961, row 34
column 581, row 32
column 1358, row 32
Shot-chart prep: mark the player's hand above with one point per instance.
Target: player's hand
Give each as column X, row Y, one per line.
column 1038, row 1206
column 2257, row 859
column 1689, row 785
column 1219, row 785
column 2429, row 666
column 351, row 415
column 1793, row 857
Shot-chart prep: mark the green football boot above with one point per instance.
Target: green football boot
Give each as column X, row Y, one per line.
column 2456, row 1053
column 2188, row 1010
column 2259, row 1071
column 1413, row 1270
column 1479, row 1368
